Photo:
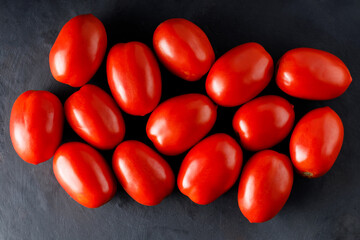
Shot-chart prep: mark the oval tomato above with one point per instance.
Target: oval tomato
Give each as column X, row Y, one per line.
column 36, row 125
column 239, row 75
column 265, row 185
column 316, row 142
column 210, row 168
column 134, row 77
column 180, row 122
column 312, row 74
column 264, row 122
column 78, row 50
column 143, row 173
column 84, row 174
column 183, row 48
column 95, row 117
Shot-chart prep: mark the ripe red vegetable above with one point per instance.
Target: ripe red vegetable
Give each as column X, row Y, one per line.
column 143, row 173
column 134, row 77
column 312, row 74
column 180, row 122
column 36, row 125
column 265, row 185
column 210, row 168
column 183, row 48
column 78, row 50
column 95, row 117
column 239, row 75
column 316, row 142
column 84, row 174
column 264, row 122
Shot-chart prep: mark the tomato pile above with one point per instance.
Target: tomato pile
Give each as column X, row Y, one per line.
column 213, row 164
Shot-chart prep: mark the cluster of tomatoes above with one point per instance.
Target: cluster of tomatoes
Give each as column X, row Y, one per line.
column 213, row 164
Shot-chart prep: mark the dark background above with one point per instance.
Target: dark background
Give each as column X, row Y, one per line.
column 34, row 206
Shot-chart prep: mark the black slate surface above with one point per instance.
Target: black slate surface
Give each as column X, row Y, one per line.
column 34, row 206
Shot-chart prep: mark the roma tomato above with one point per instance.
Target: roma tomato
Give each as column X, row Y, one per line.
column 183, row 48
column 84, row 174
column 78, row 50
column 36, row 125
column 312, row 74
column 210, row 168
column 239, row 75
column 95, row 117
column 264, row 122
column 143, row 173
column 316, row 142
column 180, row 122
column 134, row 77
column 265, row 185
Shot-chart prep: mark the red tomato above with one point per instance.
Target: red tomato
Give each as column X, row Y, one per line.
column 84, row 174
column 36, row 125
column 264, row 122
column 180, row 122
column 95, row 117
column 316, row 142
column 239, row 75
column 134, row 77
column 210, row 168
column 143, row 173
column 78, row 50
column 183, row 48
column 265, row 185
column 312, row 74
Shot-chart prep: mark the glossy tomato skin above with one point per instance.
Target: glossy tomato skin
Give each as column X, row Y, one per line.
column 143, row 173
column 180, row 122
column 264, row 122
column 84, row 174
column 134, row 77
column 239, row 75
column 36, row 125
column 265, row 185
column 312, row 74
column 316, row 142
column 78, row 50
column 210, row 168
column 183, row 48
column 95, row 117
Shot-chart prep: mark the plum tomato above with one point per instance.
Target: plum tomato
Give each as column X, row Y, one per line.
column 312, row 74
column 134, row 77
column 78, row 50
column 95, row 117
column 142, row 172
column 210, row 168
column 180, row 122
column 239, row 75
column 36, row 125
column 183, row 48
column 316, row 142
column 264, row 122
column 265, row 185
column 84, row 174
